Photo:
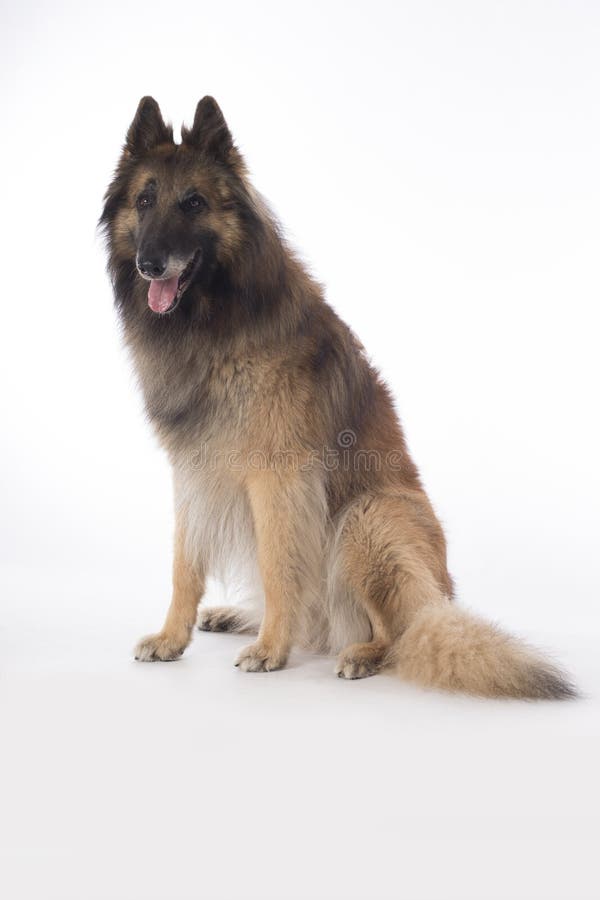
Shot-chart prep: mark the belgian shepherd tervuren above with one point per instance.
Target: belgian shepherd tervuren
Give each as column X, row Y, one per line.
column 287, row 455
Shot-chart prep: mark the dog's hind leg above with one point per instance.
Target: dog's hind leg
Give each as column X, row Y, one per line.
column 392, row 554
column 188, row 588
column 233, row 619
column 361, row 660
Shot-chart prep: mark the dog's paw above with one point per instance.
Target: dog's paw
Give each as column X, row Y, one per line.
column 359, row 661
column 222, row 618
column 159, row 647
column 355, row 668
column 259, row 658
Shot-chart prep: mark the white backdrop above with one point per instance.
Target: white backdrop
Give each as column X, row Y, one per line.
column 438, row 165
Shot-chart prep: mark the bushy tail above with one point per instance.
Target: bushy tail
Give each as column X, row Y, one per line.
column 446, row 647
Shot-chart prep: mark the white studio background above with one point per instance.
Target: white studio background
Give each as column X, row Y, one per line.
column 438, row 166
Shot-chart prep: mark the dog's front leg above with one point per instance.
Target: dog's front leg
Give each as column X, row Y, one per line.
column 188, row 588
column 276, row 500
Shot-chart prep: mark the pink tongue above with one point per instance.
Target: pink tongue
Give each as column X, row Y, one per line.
column 161, row 294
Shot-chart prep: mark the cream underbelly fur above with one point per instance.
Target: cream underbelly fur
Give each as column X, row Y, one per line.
column 212, row 503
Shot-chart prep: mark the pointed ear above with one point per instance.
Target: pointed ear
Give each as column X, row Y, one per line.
column 209, row 133
column 148, row 128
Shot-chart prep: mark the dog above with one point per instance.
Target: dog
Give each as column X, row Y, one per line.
column 289, row 463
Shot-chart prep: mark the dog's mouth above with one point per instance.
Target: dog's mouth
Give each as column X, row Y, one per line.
column 164, row 294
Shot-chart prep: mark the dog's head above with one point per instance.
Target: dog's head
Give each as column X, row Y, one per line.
column 177, row 216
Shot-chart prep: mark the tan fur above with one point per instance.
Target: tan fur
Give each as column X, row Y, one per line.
column 227, row 618
column 188, row 588
column 291, row 471
column 445, row 647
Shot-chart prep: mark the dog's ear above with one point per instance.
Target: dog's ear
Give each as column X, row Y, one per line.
column 209, row 133
column 148, row 128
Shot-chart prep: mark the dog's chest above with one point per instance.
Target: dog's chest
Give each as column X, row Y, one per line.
column 201, row 393
column 214, row 510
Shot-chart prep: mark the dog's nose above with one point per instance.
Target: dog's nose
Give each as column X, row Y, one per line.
column 152, row 268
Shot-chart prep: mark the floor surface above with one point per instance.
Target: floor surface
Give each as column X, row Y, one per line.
column 194, row 780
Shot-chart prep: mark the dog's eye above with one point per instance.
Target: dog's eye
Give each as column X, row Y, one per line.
column 144, row 201
column 193, row 203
